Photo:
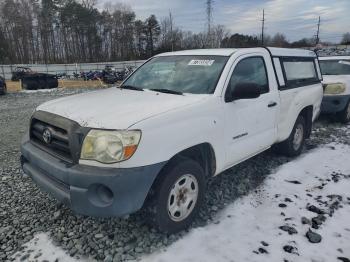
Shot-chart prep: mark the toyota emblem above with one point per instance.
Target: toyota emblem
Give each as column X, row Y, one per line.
column 47, row 136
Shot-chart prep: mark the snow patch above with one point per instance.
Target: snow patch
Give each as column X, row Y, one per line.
column 257, row 217
column 41, row 248
column 39, row 91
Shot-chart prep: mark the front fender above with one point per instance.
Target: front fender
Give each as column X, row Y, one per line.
column 166, row 135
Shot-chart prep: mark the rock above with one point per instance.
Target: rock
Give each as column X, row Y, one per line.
column 214, row 208
column 287, row 199
column 343, row 259
column 25, row 257
column 296, row 182
column 289, row 229
column 305, row 221
column 313, row 237
column 282, row 205
column 57, row 215
column 264, row 243
column 338, row 197
column 288, row 249
column 262, row 251
column 138, row 249
column 316, row 210
column 99, row 236
column 108, row 258
column 317, row 221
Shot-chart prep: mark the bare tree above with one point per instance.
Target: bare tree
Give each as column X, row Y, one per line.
column 346, row 39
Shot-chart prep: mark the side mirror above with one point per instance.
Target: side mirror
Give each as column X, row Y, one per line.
column 243, row 91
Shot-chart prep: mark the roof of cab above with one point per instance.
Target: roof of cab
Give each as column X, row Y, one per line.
column 291, row 52
column 230, row 51
column 334, row 57
column 214, row 51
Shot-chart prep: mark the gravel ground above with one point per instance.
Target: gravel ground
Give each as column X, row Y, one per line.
column 25, row 210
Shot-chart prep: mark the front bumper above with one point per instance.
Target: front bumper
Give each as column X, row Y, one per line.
column 87, row 190
column 334, row 103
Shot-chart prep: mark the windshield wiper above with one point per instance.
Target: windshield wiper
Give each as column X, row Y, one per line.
column 167, row 91
column 131, row 87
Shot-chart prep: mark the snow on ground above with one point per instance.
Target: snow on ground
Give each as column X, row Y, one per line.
column 243, row 225
column 41, row 248
column 39, row 91
column 257, row 217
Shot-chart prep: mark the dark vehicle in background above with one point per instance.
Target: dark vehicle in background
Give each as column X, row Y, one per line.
column 32, row 80
column 111, row 75
column 3, row 88
column 39, row 81
column 20, row 72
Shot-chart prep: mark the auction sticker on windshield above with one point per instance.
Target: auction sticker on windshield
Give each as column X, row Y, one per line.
column 201, row 62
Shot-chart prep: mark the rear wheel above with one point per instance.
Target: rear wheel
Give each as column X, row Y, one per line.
column 177, row 196
column 295, row 142
column 344, row 116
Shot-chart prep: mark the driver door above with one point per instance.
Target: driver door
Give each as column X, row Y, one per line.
column 251, row 123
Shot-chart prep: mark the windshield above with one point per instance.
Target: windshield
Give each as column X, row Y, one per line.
column 335, row 67
column 185, row 74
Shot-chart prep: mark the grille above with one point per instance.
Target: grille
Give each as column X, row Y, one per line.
column 58, row 142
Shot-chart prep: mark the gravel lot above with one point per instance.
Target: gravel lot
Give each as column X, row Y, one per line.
column 25, row 210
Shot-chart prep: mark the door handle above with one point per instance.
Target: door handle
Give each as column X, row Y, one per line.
column 272, row 104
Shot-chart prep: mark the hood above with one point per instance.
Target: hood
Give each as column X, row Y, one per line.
column 344, row 79
column 115, row 108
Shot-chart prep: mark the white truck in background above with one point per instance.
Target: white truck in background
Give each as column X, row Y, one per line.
column 179, row 119
column 336, row 82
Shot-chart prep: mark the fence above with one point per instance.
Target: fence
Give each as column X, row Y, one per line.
column 69, row 69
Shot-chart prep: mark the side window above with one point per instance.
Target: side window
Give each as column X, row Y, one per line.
column 250, row 70
column 299, row 71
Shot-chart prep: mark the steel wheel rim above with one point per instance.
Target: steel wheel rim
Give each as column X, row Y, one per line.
column 298, row 136
column 182, row 197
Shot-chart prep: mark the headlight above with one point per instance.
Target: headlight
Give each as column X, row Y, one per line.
column 334, row 89
column 107, row 146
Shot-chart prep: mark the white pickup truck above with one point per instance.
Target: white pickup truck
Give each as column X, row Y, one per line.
column 336, row 82
column 179, row 119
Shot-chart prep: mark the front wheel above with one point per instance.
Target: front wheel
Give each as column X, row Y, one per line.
column 177, row 196
column 344, row 116
column 295, row 142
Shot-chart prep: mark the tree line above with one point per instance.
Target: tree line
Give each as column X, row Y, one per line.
column 76, row 31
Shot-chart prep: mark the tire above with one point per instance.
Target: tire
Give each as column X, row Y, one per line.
column 180, row 177
column 4, row 90
column 295, row 142
column 344, row 116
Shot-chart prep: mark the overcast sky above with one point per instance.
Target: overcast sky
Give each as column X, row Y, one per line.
column 295, row 18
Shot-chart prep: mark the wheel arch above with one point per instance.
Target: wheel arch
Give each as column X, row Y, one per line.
column 307, row 114
column 203, row 154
